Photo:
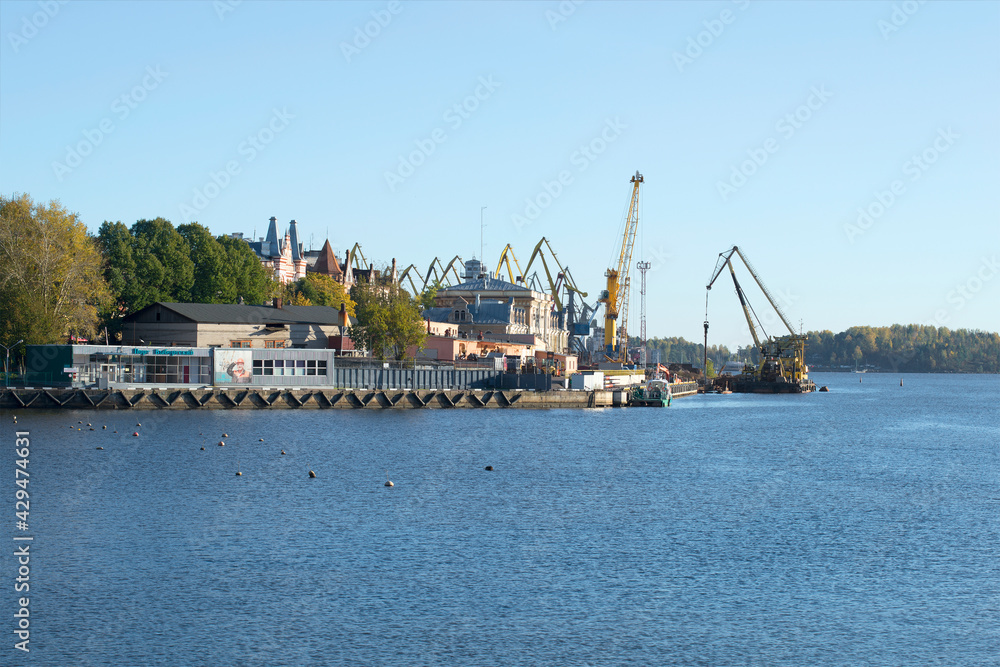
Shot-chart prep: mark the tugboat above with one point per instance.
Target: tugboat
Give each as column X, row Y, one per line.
column 653, row 394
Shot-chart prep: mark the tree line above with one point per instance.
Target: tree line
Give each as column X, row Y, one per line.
column 58, row 281
column 906, row 348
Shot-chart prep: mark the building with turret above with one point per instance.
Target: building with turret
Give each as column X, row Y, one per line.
column 283, row 257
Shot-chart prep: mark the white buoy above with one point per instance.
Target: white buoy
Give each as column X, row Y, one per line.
column 388, row 482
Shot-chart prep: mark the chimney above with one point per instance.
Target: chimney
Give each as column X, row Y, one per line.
column 342, row 317
column 277, row 302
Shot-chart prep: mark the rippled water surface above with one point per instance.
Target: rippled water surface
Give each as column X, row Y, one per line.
column 860, row 526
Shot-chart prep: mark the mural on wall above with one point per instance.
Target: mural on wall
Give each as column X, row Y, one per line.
column 233, row 366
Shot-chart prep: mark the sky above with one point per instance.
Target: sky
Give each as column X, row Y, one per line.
column 850, row 149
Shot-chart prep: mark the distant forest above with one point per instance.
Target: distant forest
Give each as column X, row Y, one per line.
column 908, row 348
column 899, row 348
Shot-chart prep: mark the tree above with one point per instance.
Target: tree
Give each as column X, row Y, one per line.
column 248, row 277
column 163, row 259
column 387, row 320
column 710, row 369
column 211, row 284
column 426, row 297
column 323, row 290
column 51, row 282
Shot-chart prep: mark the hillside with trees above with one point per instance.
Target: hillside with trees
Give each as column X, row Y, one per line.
column 906, row 348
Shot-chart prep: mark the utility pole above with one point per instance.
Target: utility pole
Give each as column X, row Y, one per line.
column 643, row 267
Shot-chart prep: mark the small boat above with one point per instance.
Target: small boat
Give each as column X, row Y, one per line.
column 653, row 394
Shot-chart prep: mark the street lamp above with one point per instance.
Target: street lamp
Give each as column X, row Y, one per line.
column 6, row 363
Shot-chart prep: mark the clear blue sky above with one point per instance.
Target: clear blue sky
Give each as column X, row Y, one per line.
column 837, row 96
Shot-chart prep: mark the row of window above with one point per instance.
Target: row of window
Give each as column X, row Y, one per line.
column 289, row 366
column 268, row 344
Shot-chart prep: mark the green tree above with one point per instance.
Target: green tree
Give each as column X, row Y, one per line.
column 323, row 290
column 244, row 272
column 51, row 282
column 426, row 298
column 211, row 284
column 388, row 320
column 163, row 259
column 710, row 369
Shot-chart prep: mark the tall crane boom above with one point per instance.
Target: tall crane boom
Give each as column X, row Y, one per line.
column 615, row 297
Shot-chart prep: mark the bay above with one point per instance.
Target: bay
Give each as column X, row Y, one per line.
column 859, row 526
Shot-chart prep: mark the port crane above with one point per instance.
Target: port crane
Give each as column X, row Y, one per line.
column 782, row 358
column 505, row 257
column 615, row 297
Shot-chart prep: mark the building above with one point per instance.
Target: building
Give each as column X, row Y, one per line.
column 111, row 366
column 204, row 325
column 483, row 307
column 283, row 257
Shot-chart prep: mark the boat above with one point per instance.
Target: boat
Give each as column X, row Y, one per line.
column 653, row 394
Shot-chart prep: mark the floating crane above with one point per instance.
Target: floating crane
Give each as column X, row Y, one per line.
column 782, row 358
column 615, row 297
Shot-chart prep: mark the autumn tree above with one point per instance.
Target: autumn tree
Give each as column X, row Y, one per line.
column 388, row 321
column 51, row 282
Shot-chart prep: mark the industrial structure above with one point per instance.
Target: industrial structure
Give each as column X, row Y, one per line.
column 616, row 296
column 780, row 366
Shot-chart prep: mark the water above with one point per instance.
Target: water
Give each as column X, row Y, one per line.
column 855, row 527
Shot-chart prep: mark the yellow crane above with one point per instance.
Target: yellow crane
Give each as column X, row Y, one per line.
column 615, row 297
column 505, row 257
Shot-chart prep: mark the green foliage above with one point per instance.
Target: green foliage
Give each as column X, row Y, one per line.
column 388, row 320
column 909, row 348
column 153, row 262
column 245, row 276
column 323, row 290
column 50, row 273
column 710, row 369
column 426, row 298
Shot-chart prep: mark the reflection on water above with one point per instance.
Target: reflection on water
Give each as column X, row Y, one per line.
column 852, row 527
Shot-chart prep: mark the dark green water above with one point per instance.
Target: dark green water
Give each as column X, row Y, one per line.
column 856, row 527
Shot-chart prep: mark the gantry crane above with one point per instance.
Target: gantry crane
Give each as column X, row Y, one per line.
column 615, row 297
column 782, row 358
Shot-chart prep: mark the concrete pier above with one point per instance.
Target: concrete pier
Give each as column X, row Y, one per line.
column 264, row 398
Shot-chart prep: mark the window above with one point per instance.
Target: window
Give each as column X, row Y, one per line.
column 315, row 367
column 274, row 344
column 240, row 343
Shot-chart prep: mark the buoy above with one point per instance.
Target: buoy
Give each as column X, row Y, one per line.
column 261, row 440
column 225, row 435
column 388, row 482
column 105, row 427
column 100, row 447
column 138, row 424
column 202, row 449
column 239, row 474
column 900, row 382
column 88, row 424
column 221, row 444
column 488, row 468
column 282, row 452
column 79, row 422
column 135, row 434
column 116, row 431
column 824, row 388
column 312, row 474
column 91, row 429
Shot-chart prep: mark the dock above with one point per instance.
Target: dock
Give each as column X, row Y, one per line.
column 264, row 398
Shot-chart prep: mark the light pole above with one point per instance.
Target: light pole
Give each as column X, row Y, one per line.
column 481, row 258
column 6, row 363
